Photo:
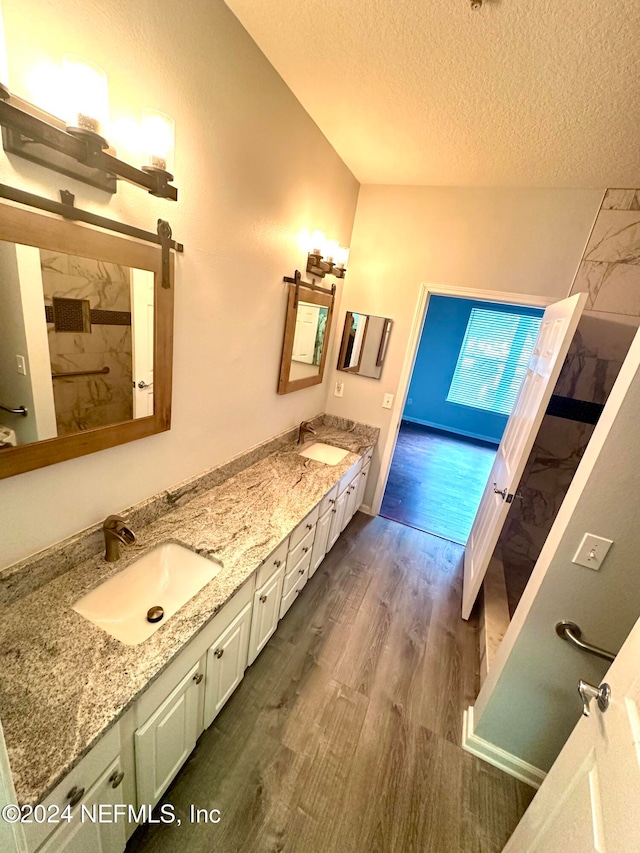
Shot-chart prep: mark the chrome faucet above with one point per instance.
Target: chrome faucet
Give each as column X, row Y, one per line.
column 305, row 427
column 116, row 533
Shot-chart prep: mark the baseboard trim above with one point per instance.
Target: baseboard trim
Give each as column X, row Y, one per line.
column 366, row 510
column 493, row 754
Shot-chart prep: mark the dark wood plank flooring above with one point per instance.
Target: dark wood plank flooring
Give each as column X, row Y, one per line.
column 436, row 481
column 344, row 735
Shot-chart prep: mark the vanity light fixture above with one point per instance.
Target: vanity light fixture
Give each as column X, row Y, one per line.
column 158, row 133
column 326, row 257
column 76, row 146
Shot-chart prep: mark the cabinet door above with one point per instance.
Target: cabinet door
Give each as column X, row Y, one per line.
column 81, row 836
column 321, row 542
column 165, row 741
column 294, row 592
column 266, row 609
column 350, row 504
column 337, row 515
column 362, row 485
column 226, row 663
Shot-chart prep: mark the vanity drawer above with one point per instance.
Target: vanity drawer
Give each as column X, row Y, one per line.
column 328, row 500
column 294, row 592
column 348, row 477
column 303, row 547
column 304, row 528
column 82, row 776
column 296, row 574
column 367, row 457
column 272, row 563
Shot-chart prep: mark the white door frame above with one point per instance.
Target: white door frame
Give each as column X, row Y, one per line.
column 426, row 292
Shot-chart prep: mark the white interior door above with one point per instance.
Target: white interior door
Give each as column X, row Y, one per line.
column 142, row 319
column 589, row 800
column 304, row 341
column 558, row 326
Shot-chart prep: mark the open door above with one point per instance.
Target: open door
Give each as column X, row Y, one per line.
column 589, row 800
column 557, row 328
column 143, row 318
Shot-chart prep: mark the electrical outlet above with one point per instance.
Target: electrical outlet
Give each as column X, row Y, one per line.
column 409, row 401
column 592, row 551
column 387, row 401
column 338, row 391
column 21, row 365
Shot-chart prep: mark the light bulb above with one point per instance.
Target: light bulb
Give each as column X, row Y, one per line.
column 341, row 257
column 158, row 135
column 4, row 64
column 87, row 97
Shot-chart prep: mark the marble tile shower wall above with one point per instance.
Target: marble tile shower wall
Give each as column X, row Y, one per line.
column 85, row 402
column 610, row 273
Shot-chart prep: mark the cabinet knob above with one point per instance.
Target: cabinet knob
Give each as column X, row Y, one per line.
column 305, row 549
column 363, row 474
column 277, row 563
column 75, row 795
column 301, row 571
column 218, row 653
column 332, row 500
column 334, row 511
column 116, row 778
column 198, row 677
column 309, row 526
column 263, row 598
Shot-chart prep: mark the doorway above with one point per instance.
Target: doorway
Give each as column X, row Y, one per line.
column 471, row 359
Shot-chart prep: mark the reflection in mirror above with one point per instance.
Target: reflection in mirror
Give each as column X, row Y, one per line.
column 364, row 344
column 308, row 340
column 76, row 343
column 306, row 337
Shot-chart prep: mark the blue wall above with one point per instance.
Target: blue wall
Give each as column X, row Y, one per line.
column 442, row 336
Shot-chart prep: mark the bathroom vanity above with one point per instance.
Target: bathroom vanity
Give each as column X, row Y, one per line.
column 91, row 721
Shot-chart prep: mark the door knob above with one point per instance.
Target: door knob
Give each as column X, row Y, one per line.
column 588, row 692
column 498, row 491
column 142, row 384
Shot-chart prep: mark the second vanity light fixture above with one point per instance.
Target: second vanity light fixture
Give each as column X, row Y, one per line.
column 77, row 146
column 326, row 257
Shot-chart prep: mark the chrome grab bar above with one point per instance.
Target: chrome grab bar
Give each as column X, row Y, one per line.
column 19, row 411
column 570, row 632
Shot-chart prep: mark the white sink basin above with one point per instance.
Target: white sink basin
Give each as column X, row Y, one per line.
column 168, row 576
column 325, row 453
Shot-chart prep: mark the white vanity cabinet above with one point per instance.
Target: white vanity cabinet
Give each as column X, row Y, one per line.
column 323, row 528
column 168, row 737
column 97, row 778
column 337, row 514
column 226, row 662
column 266, row 612
column 362, row 485
column 301, row 546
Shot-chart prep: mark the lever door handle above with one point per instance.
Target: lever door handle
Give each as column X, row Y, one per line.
column 498, row 491
column 601, row 694
column 142, row 384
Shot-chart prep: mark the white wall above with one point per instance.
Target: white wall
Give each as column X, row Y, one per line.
column 252, row 169
column 521, row 240
column 529, row 703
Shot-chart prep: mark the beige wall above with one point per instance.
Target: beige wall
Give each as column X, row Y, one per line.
column 252, row 169
column 521, row 240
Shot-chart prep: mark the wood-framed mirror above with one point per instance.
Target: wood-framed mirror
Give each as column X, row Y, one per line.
column 306, row 337
column 363, row 347
column 86, row 340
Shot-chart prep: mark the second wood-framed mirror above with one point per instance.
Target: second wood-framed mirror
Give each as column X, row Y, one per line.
column 306, row 336
column 86, row 340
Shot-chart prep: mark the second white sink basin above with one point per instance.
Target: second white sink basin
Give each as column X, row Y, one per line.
column 326, row 453
column 166, row 577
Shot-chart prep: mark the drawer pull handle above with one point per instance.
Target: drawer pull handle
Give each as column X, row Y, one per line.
column 198, row 677
column 301, row 571
column 309, row 526
column 305, row 549
column 116, row 778
column 218, row 653
column 277, row 563
column 75, row 795
column 263, row 598
column 334, row 511
column 332, row 500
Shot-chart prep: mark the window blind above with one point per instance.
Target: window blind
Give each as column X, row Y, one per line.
column 493, row 359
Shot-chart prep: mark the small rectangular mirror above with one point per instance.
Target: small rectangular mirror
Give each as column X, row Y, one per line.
column 85, row 341
column 306, row 337
column 364, row 344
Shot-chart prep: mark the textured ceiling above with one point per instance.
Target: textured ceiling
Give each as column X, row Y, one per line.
column 427, row 92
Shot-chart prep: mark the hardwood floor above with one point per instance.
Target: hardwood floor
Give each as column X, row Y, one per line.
column 436, row 481
column 344, row 735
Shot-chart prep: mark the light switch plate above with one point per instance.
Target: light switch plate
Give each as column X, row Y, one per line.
column 592, row 551
column 21, row 366
column 338, row 391
column 387, row 401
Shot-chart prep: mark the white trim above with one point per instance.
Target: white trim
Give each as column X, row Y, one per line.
column 454, row 430
column 366, row 510
column 426, row 291
column 500, row 758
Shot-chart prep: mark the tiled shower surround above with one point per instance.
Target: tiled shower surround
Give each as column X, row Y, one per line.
column 610, row 273
column 85, row 402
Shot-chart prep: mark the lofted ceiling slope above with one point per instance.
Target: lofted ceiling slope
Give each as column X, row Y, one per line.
column 431, row 92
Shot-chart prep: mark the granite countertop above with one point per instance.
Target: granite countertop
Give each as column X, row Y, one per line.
column 64, row 681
